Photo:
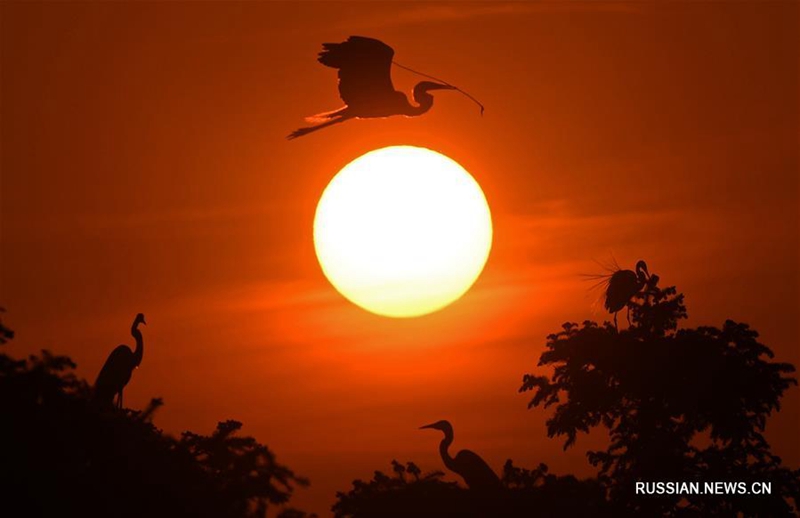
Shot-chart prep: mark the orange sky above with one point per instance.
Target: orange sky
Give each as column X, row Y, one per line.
column 144, row 168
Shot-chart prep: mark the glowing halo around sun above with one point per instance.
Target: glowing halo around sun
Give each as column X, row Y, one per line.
column 402, row 231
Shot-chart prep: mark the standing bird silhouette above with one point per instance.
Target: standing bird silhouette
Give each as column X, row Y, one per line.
column 365, row 85
column 467, row 464
column 116, row 372
column 623, row 285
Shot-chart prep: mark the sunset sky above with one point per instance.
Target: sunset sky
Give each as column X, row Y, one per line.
column 145, row 168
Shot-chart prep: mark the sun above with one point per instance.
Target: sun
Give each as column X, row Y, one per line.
column 402, row 231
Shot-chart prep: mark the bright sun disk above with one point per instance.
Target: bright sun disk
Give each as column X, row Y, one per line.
column 402, row 231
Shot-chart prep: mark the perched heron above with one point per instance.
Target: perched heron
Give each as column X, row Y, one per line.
column 365, row 85
column 467, row 464
column 116, row 372
column 623, row 285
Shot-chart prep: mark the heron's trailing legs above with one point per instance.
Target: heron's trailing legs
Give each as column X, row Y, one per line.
column 305, row 131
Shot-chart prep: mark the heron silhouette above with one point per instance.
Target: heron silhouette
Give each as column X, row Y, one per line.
column 365, row 85
column 622, row 286
column 467, row 464
column 116, row 372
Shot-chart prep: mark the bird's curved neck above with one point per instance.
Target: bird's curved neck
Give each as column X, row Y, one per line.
column 424, row 102
column 139, row 351
column 419, row 109
column 444, row 446
column 641, row 275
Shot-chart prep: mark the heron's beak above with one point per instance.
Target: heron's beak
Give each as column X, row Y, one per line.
column 438, row 86
column 427, row 426
column 143, row 322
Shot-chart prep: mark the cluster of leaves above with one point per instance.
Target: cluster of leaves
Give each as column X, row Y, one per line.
column 399, row 495
column 525, row 493
column 6, row 334
column 63, row 456
column 679, row 405
column 246, row 471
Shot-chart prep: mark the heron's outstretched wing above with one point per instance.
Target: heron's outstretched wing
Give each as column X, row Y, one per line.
column 364, row 68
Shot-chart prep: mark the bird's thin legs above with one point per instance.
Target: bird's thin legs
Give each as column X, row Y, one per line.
column 615, row 322
column 119, row 401
column 305, row 131
column 628, row 315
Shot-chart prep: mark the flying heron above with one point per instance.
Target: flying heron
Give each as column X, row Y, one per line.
column 365, row 85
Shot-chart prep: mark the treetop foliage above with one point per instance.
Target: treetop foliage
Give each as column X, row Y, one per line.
column 679, row 404
column 61, row 455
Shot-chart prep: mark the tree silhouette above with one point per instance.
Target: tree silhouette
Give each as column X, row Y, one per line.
column 524, row 493
column 251, row 478
column 62, row 455
column 389, row 497
column 6, row 334
column 679, row 405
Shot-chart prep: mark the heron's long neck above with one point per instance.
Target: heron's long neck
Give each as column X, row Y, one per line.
column 139, row 351
column 443, row 450
column 641, row 278
column 424, row 102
